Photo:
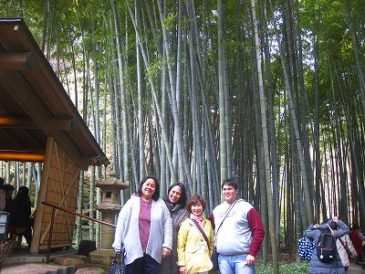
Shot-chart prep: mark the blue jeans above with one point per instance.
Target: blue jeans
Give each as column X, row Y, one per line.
column 234, row 265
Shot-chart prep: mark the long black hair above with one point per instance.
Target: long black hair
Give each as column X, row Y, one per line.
column 155, row 195
column 183, row 198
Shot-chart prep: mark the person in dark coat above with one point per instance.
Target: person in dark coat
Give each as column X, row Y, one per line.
column 20, row 211
column 175, row 202
column 9, row 190
column 313, row 232
column 2, row 194
column 357, row 239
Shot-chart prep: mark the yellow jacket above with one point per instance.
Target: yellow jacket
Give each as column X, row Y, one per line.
column 192, row 250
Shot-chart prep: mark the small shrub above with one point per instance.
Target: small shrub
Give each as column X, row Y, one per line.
column 284, row 268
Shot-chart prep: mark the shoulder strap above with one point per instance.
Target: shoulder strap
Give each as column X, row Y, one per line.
column 226, row 214
column 201, row 231
column 330, row 229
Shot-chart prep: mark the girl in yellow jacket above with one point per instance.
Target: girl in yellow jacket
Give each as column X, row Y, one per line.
column 195, row 240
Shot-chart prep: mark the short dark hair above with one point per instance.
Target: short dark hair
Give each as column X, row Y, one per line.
column 155, row 195
column 194, row 200
column 230, row 182
column 183, row 197
column 22, row 193
column 332, row 224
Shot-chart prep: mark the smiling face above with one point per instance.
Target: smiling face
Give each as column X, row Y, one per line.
column 148, row 189
column 229, row 193
column 175, row 194
column 197, row 209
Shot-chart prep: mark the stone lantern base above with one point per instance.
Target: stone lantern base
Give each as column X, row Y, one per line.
column 102, row 256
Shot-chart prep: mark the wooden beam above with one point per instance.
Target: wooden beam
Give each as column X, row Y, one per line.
column 18, row 60
column 25, row 96
column 19, row 89
column 21, row 156
column 16, row 122
column 66, row 124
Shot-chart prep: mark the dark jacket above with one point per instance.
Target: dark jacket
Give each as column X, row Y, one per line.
column 20, row 210
column 178, row 214
column 318, row 267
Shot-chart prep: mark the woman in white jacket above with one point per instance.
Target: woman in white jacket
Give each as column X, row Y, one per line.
column 144, row 230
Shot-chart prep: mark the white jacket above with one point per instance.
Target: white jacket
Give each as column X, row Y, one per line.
column 127, row 231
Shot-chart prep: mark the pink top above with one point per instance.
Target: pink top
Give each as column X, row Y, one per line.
column 144, row 223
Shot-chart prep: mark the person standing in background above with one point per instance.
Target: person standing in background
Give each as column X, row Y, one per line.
column 357, row 238
column 9, row 190
column 20, row 211
column 345, row 250
column 338, row 229
column 175, row 202
column 2, row 194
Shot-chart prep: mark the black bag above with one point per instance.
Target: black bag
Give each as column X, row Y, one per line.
column 215, row 259
column 326, row 246
column 117, row 266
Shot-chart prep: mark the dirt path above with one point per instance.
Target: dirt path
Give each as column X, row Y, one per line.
column 355, row 269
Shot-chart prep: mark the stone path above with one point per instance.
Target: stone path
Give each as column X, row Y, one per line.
column 36, row 268
column 39, row 268
column 62, row 263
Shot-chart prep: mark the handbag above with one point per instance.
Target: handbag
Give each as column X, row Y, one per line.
column 305, row 248
column 215, row 259
column 117, row 266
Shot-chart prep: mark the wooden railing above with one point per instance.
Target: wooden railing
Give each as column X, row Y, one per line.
column 54, row 208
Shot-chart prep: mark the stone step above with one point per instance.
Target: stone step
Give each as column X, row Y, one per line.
column 90, row 270
column 75, row 260
column 66, row 263
column 36, row 268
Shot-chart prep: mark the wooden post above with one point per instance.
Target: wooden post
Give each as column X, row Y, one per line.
column 41, row 196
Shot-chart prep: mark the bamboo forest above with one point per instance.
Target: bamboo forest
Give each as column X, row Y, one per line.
column 269, row 92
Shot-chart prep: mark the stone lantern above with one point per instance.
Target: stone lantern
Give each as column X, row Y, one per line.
column 109, row 206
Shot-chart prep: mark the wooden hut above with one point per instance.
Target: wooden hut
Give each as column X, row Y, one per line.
column 39, row 122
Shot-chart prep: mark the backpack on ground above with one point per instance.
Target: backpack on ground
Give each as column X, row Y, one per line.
column 326, row 246
column 305, row 248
